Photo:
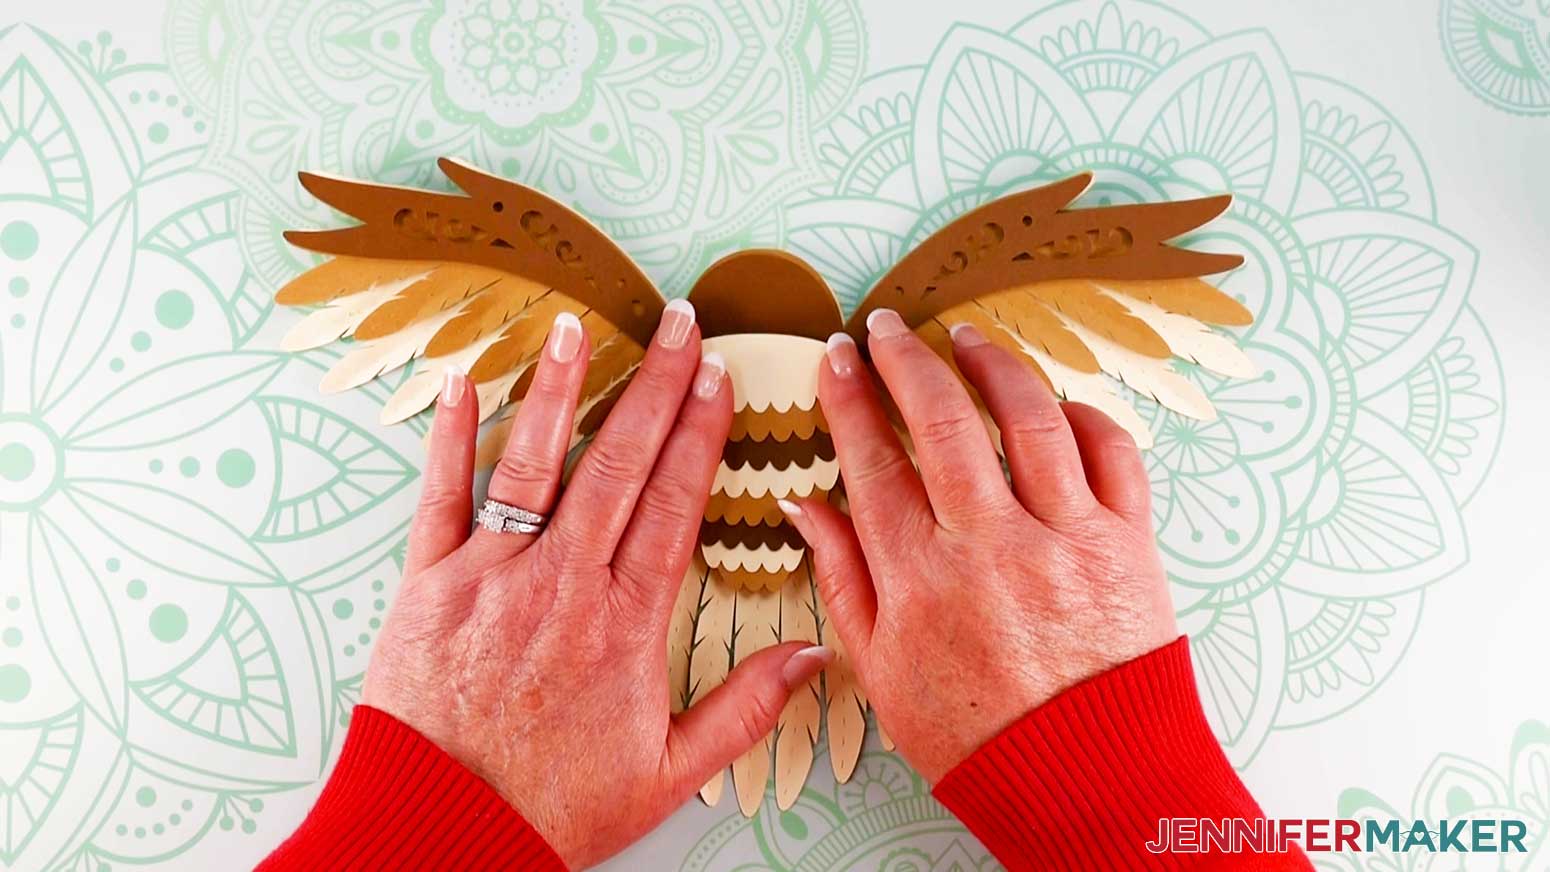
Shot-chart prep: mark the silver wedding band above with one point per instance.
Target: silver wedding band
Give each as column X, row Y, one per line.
column 499, row 517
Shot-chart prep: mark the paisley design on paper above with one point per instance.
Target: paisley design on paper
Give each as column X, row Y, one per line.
column 1514, row 785
column 1302, row 527
column 1500, row 50
column 177, row 648
column 677, row 129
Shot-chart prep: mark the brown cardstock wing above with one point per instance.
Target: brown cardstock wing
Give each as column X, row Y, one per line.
column 1030, row 237
column 499, row 224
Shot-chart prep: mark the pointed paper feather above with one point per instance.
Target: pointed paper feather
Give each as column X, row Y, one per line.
column 799, row 720
column 1030, row 317
column 844, row 703
column 680, row 634
column 1149, row 376
column 1194, row 341
column 446, row 285
column 712, row 657
column 993, row 330
column 1191, row 297
column 369, row 359
column 758, row 627
column 337, row 319
column 1091, row 388
column 1081, row 302
column 419, row 390
column 523, row 336
column 345, row 276
column 487, row 312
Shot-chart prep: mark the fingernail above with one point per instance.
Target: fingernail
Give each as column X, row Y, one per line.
column 564, row 338
column 795, row 516
column 677, row 318
column 885, row 324
column 452, row 384
column 712, row 372
column 842, row 354
column 966, row 335
column 804, row 664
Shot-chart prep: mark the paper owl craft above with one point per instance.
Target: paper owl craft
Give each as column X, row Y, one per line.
column 1085, row 296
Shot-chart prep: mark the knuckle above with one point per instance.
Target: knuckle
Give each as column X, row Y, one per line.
column 656, row 380
column 524, row 468
column 674, row 489
column 947, row 429
column 615, row 462
column 1031, row 430
column 548, row 390
column 438, row 498
column 875, row 467
column 757, row 717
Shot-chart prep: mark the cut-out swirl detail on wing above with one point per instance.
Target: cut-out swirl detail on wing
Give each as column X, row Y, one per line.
column 1089, row 298
column 472, row 281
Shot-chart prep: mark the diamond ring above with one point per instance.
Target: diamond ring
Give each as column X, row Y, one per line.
column 499, row 517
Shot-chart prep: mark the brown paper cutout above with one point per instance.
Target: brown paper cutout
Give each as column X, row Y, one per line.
column 499, row 224
column 749, row 510
column 781, row 454
column 795, row 423
column 758, row 627
column 1031, row 237
column 765, row 291
column 768, row 371
column 798, row 728
column 1081, row 296
column 752, row 536
column 751, row 579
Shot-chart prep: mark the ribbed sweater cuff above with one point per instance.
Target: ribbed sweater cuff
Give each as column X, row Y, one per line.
column 396, row 801
column 1081, row 782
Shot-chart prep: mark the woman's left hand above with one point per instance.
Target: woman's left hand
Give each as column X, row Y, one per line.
column 540, row 661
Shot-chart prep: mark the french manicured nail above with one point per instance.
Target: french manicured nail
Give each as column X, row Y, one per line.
column 564, row 338
column 453, row 383
column 795, row 515
column 966, row 335
column 885, row 324
column 804, row 664
column 677, row 319
column 842, row 354
column 710, row 375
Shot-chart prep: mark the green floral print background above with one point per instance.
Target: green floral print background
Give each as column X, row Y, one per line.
column 196, row 549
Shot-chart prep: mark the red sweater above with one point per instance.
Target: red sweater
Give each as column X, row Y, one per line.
column 1079, row 783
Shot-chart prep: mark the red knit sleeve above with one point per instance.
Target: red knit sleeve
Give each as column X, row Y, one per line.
column 1081, row 782
column 396, row 801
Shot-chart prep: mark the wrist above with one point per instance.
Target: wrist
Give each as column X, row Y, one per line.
column 1085, row 778
column 397, row 801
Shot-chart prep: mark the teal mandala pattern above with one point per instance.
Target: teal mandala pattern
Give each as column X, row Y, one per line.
column 175, row 647
column 1500, row 50
column 1303, row 526
column 677, row 127
column 1460, row 788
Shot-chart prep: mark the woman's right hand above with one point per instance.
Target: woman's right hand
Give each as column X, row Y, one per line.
column 967, row 602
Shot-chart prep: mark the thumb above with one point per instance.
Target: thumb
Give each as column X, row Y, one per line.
column 840, row 568
column 730, row 719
